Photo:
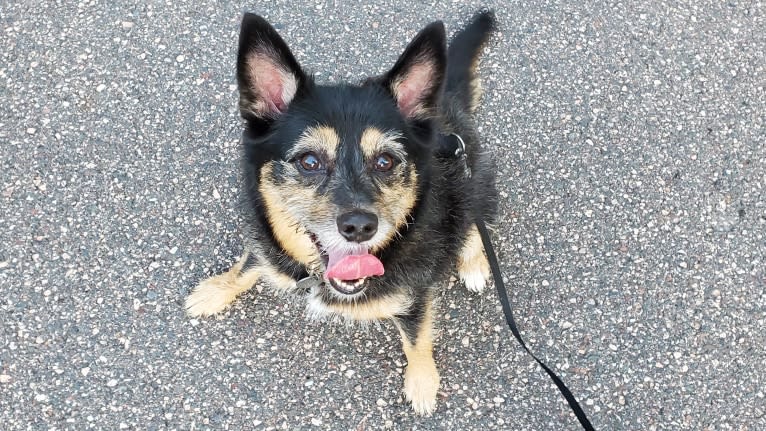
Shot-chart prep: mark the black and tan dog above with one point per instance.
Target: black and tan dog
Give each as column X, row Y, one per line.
column 349, row 200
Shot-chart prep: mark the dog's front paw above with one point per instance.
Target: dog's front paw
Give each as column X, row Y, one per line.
column 210, row 297
column 474, row 281
column 472, row 266
column 421, row 382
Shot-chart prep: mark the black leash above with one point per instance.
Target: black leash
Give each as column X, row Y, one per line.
column 453, row 146
column 508, row 311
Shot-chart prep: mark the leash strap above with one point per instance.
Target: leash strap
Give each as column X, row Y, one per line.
column 508, row 311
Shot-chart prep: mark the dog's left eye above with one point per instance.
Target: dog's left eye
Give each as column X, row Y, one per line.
column 384, row 163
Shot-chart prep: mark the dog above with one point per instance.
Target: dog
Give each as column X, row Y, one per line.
column 348, row 199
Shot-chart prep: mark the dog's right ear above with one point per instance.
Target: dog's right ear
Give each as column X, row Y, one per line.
column 269, row 77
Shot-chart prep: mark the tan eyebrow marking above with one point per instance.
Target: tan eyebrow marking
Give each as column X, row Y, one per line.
column 374, row 142
column 323, row 139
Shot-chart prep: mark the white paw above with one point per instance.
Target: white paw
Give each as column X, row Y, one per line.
column 475, row 281
column 210, row 297
column 420, row 386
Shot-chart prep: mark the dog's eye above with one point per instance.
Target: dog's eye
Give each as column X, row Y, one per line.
column 384, row 163
column 309, row 162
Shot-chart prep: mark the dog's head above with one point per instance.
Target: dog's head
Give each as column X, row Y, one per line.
column 339, row 168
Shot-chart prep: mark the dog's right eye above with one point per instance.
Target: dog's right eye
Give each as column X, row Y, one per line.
column 309, row 162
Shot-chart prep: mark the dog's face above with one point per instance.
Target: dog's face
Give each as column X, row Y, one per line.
column 340, row 168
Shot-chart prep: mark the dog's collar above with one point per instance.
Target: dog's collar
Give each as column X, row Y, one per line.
column 452, row 146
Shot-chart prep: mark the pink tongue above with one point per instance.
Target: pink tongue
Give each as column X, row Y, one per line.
column 352, row 267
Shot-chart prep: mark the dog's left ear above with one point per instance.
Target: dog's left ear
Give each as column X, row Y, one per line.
column 417, row 78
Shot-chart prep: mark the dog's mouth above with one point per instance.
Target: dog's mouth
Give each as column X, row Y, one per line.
column 347, row 270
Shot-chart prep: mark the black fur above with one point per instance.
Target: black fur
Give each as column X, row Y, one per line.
column 425, row 252
column 463, row 54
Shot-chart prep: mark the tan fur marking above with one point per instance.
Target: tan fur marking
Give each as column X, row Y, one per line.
column 475, row 85
column 472, row 265
column 277, row 279
column 318, row 138
column 421, row 379
column 215, row 293
column 399, row 201
column 395, row 202
column 371, row 138
column 288, row 232
column 377, row 309
column 476, row 92
column 373, row 142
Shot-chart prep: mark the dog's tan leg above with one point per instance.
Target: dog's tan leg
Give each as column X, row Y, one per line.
column 421, row 379
column 472, row 266
column 215, row 293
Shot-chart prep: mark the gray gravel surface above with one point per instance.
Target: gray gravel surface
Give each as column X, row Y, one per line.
column 630, row 144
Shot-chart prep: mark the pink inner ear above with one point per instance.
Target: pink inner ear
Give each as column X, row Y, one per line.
column 274, row 86
column 412, row 88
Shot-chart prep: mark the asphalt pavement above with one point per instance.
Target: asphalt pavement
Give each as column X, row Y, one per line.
column 630, row 143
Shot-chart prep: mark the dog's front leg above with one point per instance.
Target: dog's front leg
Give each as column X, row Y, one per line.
column 421, row 379
column 215, row 293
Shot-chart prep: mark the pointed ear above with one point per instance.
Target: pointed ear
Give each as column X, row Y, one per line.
column 269, row 77
column 416, row 79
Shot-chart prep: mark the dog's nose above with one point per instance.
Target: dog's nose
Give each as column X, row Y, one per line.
column 357, row 226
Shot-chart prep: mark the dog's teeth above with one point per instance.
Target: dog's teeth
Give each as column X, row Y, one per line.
column 348, row 286
column 342, row 284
